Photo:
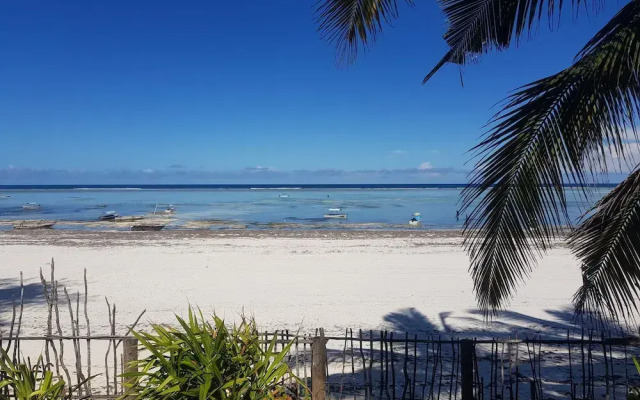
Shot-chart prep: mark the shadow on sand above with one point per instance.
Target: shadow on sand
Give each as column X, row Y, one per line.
column 430, row 367
column 10, row 291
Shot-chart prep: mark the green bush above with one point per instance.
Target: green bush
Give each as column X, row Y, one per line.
column 22, row 381
column 204, row 361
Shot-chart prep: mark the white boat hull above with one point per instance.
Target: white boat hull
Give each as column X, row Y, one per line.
column 336, row 216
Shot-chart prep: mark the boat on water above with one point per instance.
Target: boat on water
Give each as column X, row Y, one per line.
column 283, row 196
column 146, row 228
column 335, row 209
column 30, row 224
column 170, row 209
column 416, row 219
column 108, row 216
column 4, row 196
column 336, row 216
column 31, row 206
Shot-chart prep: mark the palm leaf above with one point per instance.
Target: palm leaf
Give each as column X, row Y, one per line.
column 608, row 243
column 479, row 26
column 555, row 129
column 351, row 24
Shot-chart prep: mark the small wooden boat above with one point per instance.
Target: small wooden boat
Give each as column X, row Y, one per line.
column 31, row 206
column 147, row 227
column 129, row 218
column 34, row 224
column 108, row 216
column 337, row 216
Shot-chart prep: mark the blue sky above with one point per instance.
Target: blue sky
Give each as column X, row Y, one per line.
column 206, row 91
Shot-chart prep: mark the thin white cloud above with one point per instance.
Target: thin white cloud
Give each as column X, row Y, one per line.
column 260, row 168
column 258, row 174
column 425, row 165
column 397, row 153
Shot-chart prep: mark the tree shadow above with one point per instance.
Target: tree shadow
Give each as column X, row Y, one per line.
column 410, row 320
column 388, row 366
column 10, row 291
column 511, row 324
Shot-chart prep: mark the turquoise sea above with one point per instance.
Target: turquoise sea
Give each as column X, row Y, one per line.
column 256, row 206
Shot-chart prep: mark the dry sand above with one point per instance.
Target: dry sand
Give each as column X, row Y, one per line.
column 405, row 281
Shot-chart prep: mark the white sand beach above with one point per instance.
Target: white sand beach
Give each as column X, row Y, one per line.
column 301, row 280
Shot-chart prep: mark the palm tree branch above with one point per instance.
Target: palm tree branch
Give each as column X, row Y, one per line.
column 608, row 243
column 351, row 24
column 555, row 129
column 480, row 26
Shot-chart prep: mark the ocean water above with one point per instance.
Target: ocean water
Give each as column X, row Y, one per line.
column 367, row 206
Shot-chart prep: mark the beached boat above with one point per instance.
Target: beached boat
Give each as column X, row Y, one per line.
column 147, row 227
column 30, row 224
column 108, row 216
column 337, row 216
column 416, row 219
column 129, row 218
column 31, row 206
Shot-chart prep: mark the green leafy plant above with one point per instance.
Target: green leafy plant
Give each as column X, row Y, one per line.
column 201, row 360
column 23, row 381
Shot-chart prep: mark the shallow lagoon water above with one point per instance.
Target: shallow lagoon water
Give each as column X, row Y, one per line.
column 256, row 208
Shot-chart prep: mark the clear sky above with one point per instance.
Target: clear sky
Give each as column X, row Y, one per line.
column 188, row 91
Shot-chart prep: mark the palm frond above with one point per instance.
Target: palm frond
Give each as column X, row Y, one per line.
column 608, row 244
column 479, row 26
column 351, row 24
column 554, row 130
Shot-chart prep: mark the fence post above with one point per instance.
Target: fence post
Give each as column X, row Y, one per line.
column 318, row 367
column 130, row 354
column 467, row 350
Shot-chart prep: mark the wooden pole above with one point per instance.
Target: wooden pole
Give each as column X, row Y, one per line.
column 467, row 348
column 130, row 355
column 318, row 367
